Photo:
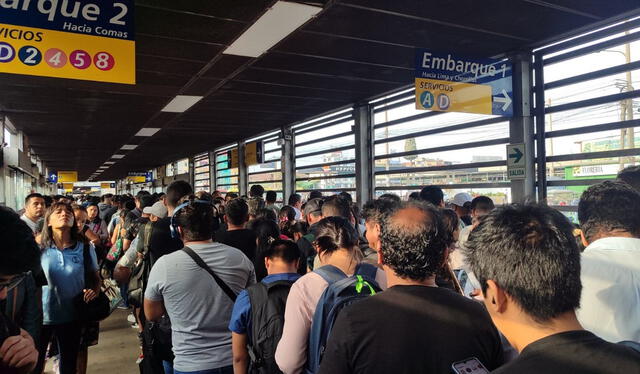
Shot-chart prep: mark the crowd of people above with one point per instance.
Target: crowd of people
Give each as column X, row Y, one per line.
column 239, row 284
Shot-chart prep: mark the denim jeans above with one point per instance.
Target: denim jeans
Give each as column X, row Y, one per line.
column 222, row 370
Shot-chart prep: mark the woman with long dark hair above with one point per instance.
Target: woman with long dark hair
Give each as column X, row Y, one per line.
column 336, row 244
column 266, row 232
column 63, row 254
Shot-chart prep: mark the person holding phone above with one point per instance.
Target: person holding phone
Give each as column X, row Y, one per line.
column 528, row 265
column 20, row 255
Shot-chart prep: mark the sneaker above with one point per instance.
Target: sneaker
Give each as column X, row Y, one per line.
column 140, row 358
column 123, row 307
column 135, row 326
column 131, row 318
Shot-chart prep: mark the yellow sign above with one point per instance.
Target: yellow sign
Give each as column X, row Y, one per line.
column 253, row 153
column 60, row 54
column 445, row 96
column 137, row 178
column 67, row 176
column 233, row 158
column 104, row 186
column 68, row 187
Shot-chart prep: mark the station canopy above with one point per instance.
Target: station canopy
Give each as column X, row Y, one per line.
column 351, row 51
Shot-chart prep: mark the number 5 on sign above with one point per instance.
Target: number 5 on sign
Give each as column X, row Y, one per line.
column 80, row 59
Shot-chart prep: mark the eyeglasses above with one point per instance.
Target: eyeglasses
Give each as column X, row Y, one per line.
column 13, row 283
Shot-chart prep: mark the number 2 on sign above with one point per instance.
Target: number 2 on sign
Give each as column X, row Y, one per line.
column 55, row 58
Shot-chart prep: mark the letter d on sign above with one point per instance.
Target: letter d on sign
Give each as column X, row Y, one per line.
column 7, row 53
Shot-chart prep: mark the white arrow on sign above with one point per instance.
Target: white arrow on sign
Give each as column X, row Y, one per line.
column 506, row 100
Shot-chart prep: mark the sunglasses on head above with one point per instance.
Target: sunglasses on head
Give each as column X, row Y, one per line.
column 15, row 281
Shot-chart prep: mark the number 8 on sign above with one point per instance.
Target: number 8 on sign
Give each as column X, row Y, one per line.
column 103, row 61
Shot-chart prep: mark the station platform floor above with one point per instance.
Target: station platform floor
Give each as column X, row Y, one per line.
column 117, row 348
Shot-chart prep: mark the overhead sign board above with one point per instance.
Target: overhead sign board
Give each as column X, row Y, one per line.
column 68, row 39
column 140, row 176
column 253, row 153
column 449, row 82
column 67, row 176
column 516, row 161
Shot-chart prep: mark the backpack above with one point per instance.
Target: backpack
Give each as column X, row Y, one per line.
column 341, row 292
column 140, row 270
column 268, row 302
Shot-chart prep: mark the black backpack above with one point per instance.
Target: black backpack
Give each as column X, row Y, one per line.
column 268, row 302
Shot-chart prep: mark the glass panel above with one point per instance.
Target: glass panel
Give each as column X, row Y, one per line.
column 269, row 146
column 227, row 172
column 325, row 184
column 183, row 166
column 488, row 132
column 273, row 176
column 267, row 166
column 202, row 162
column 498, row 195
column 222, row 157
column 470, row 175
column 329, row 170
column 228, row 180
column 203, row 176
column 464, row 156
column 349, row 154
column 348, row 140
column 274, row 186
column 604, row 168
column 323, row 132
column 410, row 110
column 202, row 169
column 274, row 156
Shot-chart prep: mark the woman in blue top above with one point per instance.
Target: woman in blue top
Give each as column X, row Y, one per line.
column 63, row 265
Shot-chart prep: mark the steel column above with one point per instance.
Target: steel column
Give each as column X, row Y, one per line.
column 521, row 125
column 364, row 135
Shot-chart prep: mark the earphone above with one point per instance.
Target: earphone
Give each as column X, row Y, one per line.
column 173, row 226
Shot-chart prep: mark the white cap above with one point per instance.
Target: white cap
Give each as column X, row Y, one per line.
column 461, row 198
column 157, row 209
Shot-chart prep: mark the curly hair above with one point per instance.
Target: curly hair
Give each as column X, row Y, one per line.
column 413, row 240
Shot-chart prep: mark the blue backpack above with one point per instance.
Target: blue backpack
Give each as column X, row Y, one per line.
column 341, row 292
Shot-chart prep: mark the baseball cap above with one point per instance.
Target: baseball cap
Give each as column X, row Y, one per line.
column 462, row 198
column 157, row 209
column 313, row 206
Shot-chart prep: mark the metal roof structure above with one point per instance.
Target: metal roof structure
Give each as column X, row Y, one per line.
column 352, row 51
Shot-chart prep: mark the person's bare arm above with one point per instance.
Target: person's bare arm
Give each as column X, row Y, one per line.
column 240, row 353
column 153, row 310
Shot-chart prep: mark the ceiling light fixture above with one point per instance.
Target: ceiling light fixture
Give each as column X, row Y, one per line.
column 109, row 162
column 117, row 156
column 129, row 147
column 147, row 131
column 181, row 103
column 275, row 24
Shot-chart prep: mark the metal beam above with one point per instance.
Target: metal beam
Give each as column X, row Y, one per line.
column 541, row 144
column 243, row 178
column 288, row 163
column 364, row 134
column 521, row 125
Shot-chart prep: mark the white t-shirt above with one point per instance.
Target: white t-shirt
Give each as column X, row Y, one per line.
column 610, row 301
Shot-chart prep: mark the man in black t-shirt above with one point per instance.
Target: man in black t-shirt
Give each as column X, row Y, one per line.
column 236, row 235
column 528, row 264
column 413, row 326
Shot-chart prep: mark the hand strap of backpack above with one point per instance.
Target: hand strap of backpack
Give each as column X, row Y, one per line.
column 202, row 264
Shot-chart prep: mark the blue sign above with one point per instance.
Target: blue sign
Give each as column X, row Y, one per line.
column 113, row 19
column 453, row 67
column 52, row 177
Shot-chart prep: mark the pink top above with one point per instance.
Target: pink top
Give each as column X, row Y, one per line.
column 291, row 354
